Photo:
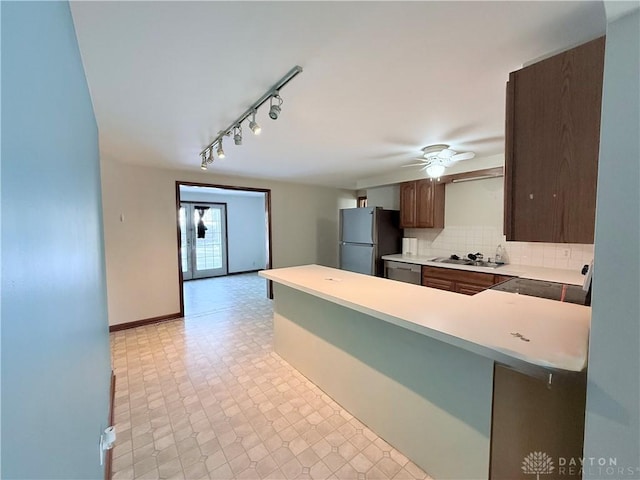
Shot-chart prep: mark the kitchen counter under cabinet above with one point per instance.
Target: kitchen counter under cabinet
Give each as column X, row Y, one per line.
column 558, row 275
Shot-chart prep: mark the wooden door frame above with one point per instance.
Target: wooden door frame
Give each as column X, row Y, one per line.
column 268, row 238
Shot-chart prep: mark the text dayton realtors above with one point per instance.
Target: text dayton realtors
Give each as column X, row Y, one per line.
column 600, row 466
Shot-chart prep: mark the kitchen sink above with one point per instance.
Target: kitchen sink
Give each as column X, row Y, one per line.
column 460, row 261
column 468, row 261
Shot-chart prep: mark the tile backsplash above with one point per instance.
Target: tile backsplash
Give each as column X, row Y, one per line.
column 462, row 240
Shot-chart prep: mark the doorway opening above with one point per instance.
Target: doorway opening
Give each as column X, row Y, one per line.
column 222, row 231
column 203, row 239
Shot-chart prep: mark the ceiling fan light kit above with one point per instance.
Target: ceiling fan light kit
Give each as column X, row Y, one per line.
column 235, row 128
column 436, row 158
column 435, row 170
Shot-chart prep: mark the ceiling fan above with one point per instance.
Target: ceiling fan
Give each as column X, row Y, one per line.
column 438, row 157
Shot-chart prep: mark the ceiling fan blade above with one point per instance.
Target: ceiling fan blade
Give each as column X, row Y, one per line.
column 421, row 164
column 446, row 153
column 462, row 156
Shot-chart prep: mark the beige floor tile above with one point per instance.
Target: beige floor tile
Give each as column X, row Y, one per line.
column 124, row 474
column 320, row 471
column 144, row 465
column 215, row 461
column 334, row 461
column 348, row 450
column 196, row 471
column 322, row 448
column 233, row 450
column 308, row 457
column 152, row 474
column 208, row 398
column 389, row 467
column 223, row 472
column 282, row 455
column 240, row 463
column 373, row 453
column 376, row 474
column 292, row 469
column 123, row 462
column 361, row 463
column 265, row 466
column 167, row 454
column 191, row 456
column 258, row 452
column 211, row 447
column 347, row 472
column 143, row 452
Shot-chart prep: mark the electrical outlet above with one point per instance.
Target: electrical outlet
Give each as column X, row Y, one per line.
column 566, row 252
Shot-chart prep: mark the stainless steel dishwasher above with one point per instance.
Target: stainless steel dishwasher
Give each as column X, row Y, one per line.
column 403, row 272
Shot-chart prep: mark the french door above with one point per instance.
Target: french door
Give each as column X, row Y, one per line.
column 203, row 239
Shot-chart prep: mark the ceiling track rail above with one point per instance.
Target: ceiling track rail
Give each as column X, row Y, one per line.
column 273, row 91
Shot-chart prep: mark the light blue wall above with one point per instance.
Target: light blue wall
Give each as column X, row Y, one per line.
column 55, row 341
column 613, row 391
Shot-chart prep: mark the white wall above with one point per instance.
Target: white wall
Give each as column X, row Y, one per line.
column 246, row 228
column 142, row 251
column 613, row 389
column 387, row 197
column 475, row 203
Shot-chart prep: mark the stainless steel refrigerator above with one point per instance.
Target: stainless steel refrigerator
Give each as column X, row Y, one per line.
column 365, row 235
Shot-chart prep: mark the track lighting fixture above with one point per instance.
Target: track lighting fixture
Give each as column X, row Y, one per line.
column 207, row 158
column 274, row 110
column 253, row 125
column 219, row 150
column 235, row 129
column 237, row 135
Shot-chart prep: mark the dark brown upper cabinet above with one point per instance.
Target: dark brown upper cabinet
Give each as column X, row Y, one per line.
column 551, row 148
column 422, row 204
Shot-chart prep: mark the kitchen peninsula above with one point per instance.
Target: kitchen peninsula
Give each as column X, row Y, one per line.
column 416, row 364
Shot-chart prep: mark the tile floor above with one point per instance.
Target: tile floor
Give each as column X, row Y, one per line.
column 207, row 398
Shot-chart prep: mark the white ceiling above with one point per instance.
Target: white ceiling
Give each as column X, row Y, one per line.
column 380, row 80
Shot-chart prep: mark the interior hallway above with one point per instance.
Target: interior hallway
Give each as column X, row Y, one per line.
column 208, row 398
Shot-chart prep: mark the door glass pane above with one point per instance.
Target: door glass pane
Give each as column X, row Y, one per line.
column 209, row 248
column 183, row 240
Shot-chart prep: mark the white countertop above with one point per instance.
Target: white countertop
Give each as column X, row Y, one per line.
column 484, row 323
column 559, row 275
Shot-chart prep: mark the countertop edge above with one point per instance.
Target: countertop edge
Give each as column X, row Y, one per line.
column 531, row 366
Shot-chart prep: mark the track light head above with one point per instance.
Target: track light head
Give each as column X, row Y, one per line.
column 253, row 125
column 203, row 164
column 219, row 150
column 237, row 135
column 274, row 110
